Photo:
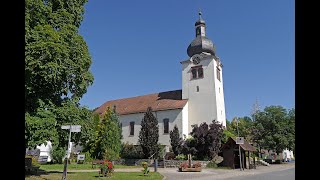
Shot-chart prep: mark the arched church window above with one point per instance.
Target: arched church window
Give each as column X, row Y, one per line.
column 132, row 128
column 166, row 126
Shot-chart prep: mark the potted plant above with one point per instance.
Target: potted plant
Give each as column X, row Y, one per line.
column 106, row 169
column 145, row 168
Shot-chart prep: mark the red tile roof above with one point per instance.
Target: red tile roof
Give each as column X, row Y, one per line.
column 158, row 102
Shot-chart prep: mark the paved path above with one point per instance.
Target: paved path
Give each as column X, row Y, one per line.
column 209, row 174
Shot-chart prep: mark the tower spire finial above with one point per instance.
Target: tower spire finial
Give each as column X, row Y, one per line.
column 200, row 13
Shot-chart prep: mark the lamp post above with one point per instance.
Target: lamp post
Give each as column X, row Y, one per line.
column 239, row 146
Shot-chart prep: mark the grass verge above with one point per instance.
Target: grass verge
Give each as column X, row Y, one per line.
column 95, row 176
column 48, row 167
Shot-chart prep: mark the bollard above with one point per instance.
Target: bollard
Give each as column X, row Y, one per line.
column 155, row 165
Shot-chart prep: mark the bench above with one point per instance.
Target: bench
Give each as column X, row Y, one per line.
column 96, row 162
column 29, row 168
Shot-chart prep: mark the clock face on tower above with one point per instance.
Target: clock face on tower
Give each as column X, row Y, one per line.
column 196, row 59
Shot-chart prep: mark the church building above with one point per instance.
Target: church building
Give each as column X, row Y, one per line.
column 201, row 98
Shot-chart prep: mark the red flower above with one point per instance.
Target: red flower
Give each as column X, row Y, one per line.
column 184, row 165
column 110, row 165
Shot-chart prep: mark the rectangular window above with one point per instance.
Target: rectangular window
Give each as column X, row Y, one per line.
column 200, row 72
column 218, row 74
column 196, row 72
column 166, row 126
column 132, row 128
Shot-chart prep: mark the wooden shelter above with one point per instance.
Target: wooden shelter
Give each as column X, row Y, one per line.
column 231, row 158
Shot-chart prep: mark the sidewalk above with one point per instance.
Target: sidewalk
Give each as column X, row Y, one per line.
column 209, row 174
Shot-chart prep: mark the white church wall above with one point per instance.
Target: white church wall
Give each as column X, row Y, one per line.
column 221, row 114
column 202, row 105
column 174, row 116
column 185, row 122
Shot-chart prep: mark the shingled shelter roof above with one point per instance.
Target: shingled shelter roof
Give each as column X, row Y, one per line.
column 158, row 102
column 245, row 146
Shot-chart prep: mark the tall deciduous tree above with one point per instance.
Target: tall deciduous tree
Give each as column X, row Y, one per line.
column 57, row 59
column 106, row 143
column 57, row 63
column 274, row 128
column 149, row 135
column 175, row 140
column 291, row 129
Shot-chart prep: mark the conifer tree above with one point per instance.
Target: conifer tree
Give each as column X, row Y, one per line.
column 175, row 140
column 149, row 135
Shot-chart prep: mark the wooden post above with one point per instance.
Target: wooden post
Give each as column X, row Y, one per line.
column 243, row 159
column 254, row 162
column 249, row 159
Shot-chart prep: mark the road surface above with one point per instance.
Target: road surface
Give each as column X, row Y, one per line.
column 287, row 174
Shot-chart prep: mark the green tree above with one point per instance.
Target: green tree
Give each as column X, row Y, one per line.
column 244, row 126
column 71, row 113
column 106, row 143
column 40, row 127
column 274, row 128
column 57, row 74
column 57, row 59
column 290, row 130
column 206, row 139
column 226, row 135
column 149, row 135
column 175, row 140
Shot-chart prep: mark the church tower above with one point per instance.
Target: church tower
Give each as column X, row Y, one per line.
column 202, row 82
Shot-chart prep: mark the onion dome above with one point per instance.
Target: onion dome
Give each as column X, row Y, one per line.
column 201, row 43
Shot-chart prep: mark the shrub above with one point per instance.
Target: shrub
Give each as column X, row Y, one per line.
column 58, row 154
column 88, row 157
column 181, row 157
column 130, row 151
column 212, row 164
column 34, row 160
column 145, row 168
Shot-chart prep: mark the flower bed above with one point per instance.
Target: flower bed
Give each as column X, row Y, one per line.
column 106, row 169
column 186, row 167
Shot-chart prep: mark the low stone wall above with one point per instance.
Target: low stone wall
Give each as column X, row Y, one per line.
column 176, row 163
column 132, row 162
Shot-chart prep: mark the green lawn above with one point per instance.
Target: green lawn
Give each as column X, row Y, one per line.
column 94, row 175
column 78, row 166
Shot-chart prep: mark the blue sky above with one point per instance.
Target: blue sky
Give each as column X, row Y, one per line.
column 136, row 49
